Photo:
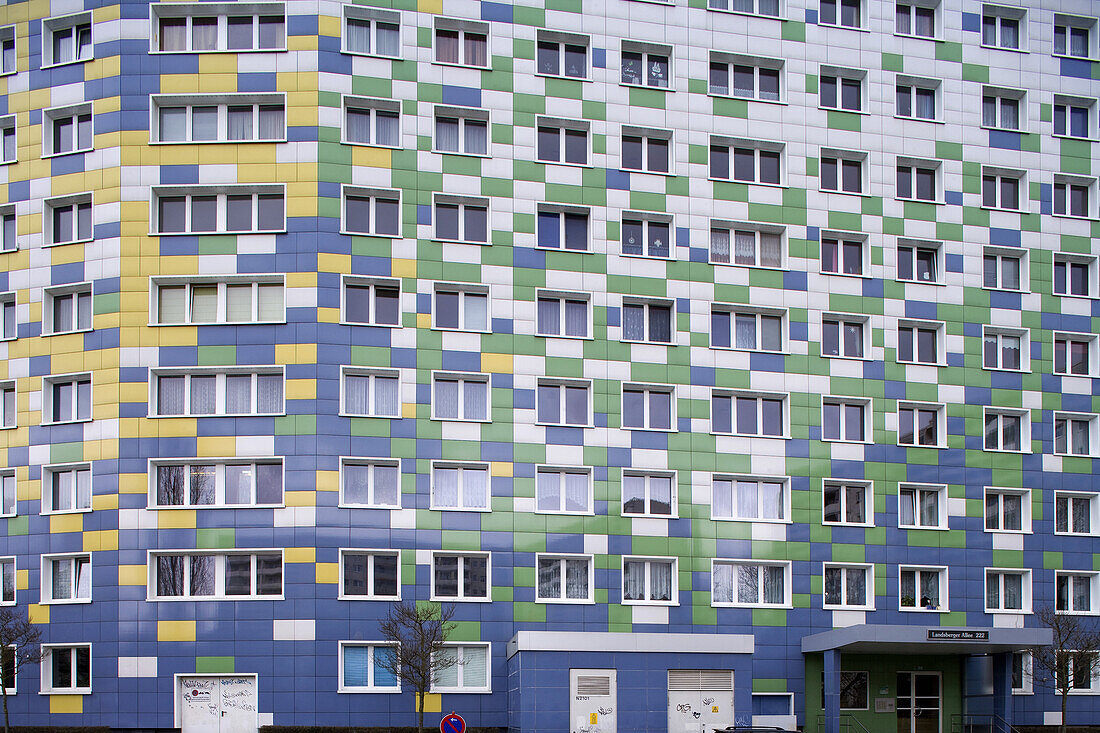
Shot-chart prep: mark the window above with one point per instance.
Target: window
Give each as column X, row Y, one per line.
column 921, row 424
column 7, row 50
column 1076, row 513
column 750, row 499
column 67, row 578
column 751, row 7
column 920, row 342
column 372, row 301
column 7, row 588
column 200, row 27
column 1003, row 269
column 213, row 483
column 67, row 309
column 1007, row 510
column 1007, row 430
column 566, row 141
column 564, row 579
column 649, row 494
column 849, row 587
column 1007, row 591
column 199, row 392
column 67, row 39
column 372, row 211
column 745, row 413
column 9, row 151
column 841, row 88
column 842, row 171
column 562, row 54
column 917, row 98
column 369, row 121
column 370, row 575
column 460, row 486
column 367, row 668
column 919, row 261
column 68, row 219
column 461, row 42
column 649, row 580
column 461, row 307
column 67, row 669
column 1073, row 36
column 844, row 419
column 567, row 315
column 754, row 161
column 922, row 507
column 844, row 254
column 212, row 576
column 1074, row 434
column 741, row 327
column 746, row 77
column 69, row 130
column 1074, row 354
column 1003, row 109
column 374, row 484
column 9, row 327
column 1003, row 27
column 1074, row 592
column 564, row 402
column 647, row 321
column 1022, row 673
column 372, row 31
column 1005, row 349
column 224, row 300
column 646, row 235
column 66, row 489
column 644, row 149
column 844, row 336
column 918, row 179
column 462, row 219
column 847, row 503
column 1001, row 189
column 461, row 130
column 219, row 118
column 460, row 396
column 748, row 583
column 219, row 209
column 460, row 577
column 8, row 499
column 9, row 241
column 563, row 490
column 1083, row 672
column 750, row 245
column 923, row 589
column 916, row 19
column 468, row 673
column 67, row 398
column 845, row 13
column 561, row 227
column 8, row 412
column 1074, row 196
column 1073, row 117
column 646, row 64
column 371, row 392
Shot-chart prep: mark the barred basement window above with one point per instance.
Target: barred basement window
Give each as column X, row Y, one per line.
column 206, row 26
column 198, row 392
column 235, row 299
column 231, row 209
column 214, row 483
column 200, row 575
column 219, row 118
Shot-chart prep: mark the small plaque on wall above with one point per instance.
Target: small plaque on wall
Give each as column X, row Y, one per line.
column 884, row 704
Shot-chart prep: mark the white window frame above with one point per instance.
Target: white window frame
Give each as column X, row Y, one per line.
column 9, row 564
column 998, row 493
column 9, row 233
column 648, row 304
column 1094, row 592
column 940, row 329
column 9, row 141
column 1068, row 103
column 647, row 499
column 49, row 592
column 1093, row 421
column 645, row 135
column 222, row 283
column 562, row 297
column 561, row 559
column 463, row 378
column 1025, row 590
column 461, row 597
column 1001, row 413
column 462, row 27
column 757, row 64
column 75, row 469
column 943, row 584
column 941, row 505
column 219, row 465
column 1000, row 13
column 759, row 603
column 222, row 102
column 647, row 50
column 373, row 284
column 50, row 308
column 1026, row 673
column 734, row 311
column 74, row 380
column 371, row 552
column 371, row 464
column 464, row 291
column 219, row 574
column 1062, row 341
column 1069, row 182
column 1077, row 22
column 60, row 24
column 220, row 374
column 1000, row 332
column 9, row 321
column 912, row 6
column 9, row 496
column 723, row 7
column 371, row 688
column 674, row 595
column 372, row 375
column 843, row 240
column 1001, row 96
column 462, row 688
column 72, row 114
column 941, row 423
column 560, row 125
column 373, row 196
column 839, row 75
column 647, row 390
column 463, row 203
column 913, row 84
column 998, row 175
column 735, row 515
column 839, row 158
column 646, row 219
column 561, row 384
column 463, row 115
column 46, row 665
column 861, row 9
column 221, row 193
column 560, row 472
column 844, row 402
column 562, row 213
column 462, row 466
column 758, row 148
column 734, row 394
column 1002, row 254
column 560, row 39
column 1094, row 686
column 1093, row 500
column 842, row 486
column 221, row 11
column 373, row 16
column 842, row 321
column 76, row 203
column 371, row 106
column 759, row 231
column 868, row 570
column 9, row 61
column 913, row 167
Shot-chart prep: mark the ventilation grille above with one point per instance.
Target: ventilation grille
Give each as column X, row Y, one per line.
column 700, row 679
column 594, row 685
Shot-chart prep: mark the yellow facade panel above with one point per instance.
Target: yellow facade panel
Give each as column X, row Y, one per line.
column 301, row 498
column 176, row 519
column 175, row 630
column 61, row 523
column 300, row 554
column 102, row 539
column 327, row 572
column 60, row 704
column 133, row 575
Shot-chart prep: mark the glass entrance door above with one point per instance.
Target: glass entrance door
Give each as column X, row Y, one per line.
column 919, row 703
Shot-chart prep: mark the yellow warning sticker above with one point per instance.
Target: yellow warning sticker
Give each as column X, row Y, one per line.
column 592, row 719
column 714, row 708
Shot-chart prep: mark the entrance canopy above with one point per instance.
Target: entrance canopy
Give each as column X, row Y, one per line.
column 899, row 639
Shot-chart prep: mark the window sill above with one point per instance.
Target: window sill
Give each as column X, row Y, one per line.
column 66, row 422
column 646, row 86
column 451, row 599
column 629, row 515
column 1090, row 375
column 1003, row 48
column 9, row 73
column 388, row 599
column 937, row 283
column 1075, row 217
column 727, row 11
column 753, row 435
column 66, row 333
column 924, row 610
column 1008, row 531
column 1071, row 57
column 922, row 363
column 1008, row 451
column 991, row 128
column 443, row 329
column 364, row 54
column 933, row 120
column 1008, row 611
column 65, row 601
column 215, row 233
column 566, row 601
column 482, row 510
column 1076, row 455
column 845, row 357
column 1076, row 534
column 719, row 604
column 846, row 608
column 562, row 336
column 783, row 268
column 856, row 275
column 1006, row 371
column 936, row 39
column 857, row 28
column 158, row 52
column 568, row 164
column 1074, row 137
column 194, row 599
column 783, row 352
column 841, row 441
column 71, row 241
column 462, row 66
column 216, row 414
column 841, row 109
column 385, row 507
column 73, row 691
column 484, row 421
column 207, row 323
column 666, row 174
column 660, row 604
column 934, row 202
column 748, row 183
column 8, row 162
column 461, row 241
column 564, row 77
column 847, row 524
column 586, row 251
column 844, row 193
column 929, row 447
column 670, row 258
column 460, row 690
column 563, row 425
column 564, row 513
column 342, row 323
column 650, row 343
column 180, row 507
column 376, row 417
column 55, row 512
column 206, row 142
column 780, row 102
column 642, row 429
column 377, row 235
column 937, row 528
column 368, row 690
column 1007, row 290
column 67, row 63
column 751, row 520
column 1079, row 613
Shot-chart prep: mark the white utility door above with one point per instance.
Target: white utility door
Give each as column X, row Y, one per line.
column 218, row 704
column 592, row 696
column 699, row 700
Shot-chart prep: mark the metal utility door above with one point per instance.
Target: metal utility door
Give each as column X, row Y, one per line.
column 919, row 702
column 592, row 698
column 699, row 700
column 217, row 704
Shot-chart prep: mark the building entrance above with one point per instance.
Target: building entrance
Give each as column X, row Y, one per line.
column 919, row 702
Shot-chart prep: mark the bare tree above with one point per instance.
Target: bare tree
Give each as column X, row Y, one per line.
column 1072, row 659
column 19, row 647
column 418, row 633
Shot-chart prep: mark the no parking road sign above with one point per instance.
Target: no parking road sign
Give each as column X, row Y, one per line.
column 452, row 723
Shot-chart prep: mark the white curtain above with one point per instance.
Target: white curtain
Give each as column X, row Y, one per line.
column 475, row 307
column 908, row 591
column 62, row 490
column 634, row 581
column 721, row 500
column 172, row 304
column 1082, row 595
column 771, row 250
column 238, row 394
column 446, row 47
column 446, row 134
column 170, row 395
column 474, row 402
column 204, row 303
column 576, row 318
column 475, row 666
column 660, row 581
column 385, row 396
column 203, row 394
column 576, row 492
column 388, row 39
column 386, row 488
column 204, row 34
column 929, row 508
column 772, row 495
column 576, row 578
column 269, row 393
column 550, row 578
column 446, row 398
column 240, row 122
column 446, row 487
column 356, row 394
column 475, row 490
column 358, row 130
column 747, row 499
column 1010, row 114
column 173, row 34
column 633, row 323
column 271, row 125
column 720, row 245
column 549, row 321
column 549, row 491
column 475, row 49
column 1014, row 588
column 62, row 580
column 745, row 331
column 173, row 124
column 388, row 129
column 270, row 303
column 356, row 484
column 929, row 588
column 907, row 507
column 744, row 247
column 9, row 494
column 238, row 484
column 773, row 584
column 358, row 35
column 744, row 80
column 476, row 134
column 238, row 303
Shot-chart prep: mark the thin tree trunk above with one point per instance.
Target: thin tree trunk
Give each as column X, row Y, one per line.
column 4, row 692
column 1065, row 696
column 420, row 725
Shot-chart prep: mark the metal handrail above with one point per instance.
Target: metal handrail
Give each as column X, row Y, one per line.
column 848, row 724
column 984, row 723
